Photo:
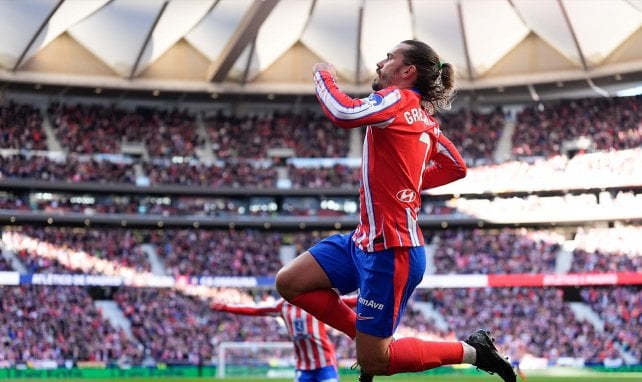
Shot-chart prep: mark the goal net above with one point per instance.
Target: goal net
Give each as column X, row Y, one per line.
column 256, row 359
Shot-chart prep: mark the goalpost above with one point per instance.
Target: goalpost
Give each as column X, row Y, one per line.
column 269, row 359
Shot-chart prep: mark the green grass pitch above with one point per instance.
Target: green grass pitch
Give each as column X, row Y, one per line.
column 626, row 377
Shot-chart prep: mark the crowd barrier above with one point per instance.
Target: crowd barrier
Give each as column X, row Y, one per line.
column 429, row 282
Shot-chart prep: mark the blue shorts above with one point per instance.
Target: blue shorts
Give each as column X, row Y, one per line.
column 385, row 279
column 324, row 374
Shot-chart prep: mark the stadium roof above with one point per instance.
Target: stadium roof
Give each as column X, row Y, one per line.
column 520, row 49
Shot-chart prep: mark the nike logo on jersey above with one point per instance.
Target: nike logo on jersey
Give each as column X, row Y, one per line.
column 362, row 318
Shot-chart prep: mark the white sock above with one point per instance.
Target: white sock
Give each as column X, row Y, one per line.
column 470, row 354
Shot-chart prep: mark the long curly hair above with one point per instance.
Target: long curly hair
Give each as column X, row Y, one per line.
column 435, row 78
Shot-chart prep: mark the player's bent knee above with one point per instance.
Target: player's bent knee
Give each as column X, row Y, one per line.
column 286, row 285
column 373, row 366
column 282, row 285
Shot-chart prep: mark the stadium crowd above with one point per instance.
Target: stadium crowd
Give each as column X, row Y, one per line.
column 510, row 250
column 219, row 253
column 171, row 326
column 21, row 127
column 533, row 321
column 59, row 324
column 536, row 321
column 221, row 154
column 611, row 123
column 92, row 129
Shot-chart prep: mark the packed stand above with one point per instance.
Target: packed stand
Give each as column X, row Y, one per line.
column 238, row 173
column 180, row 329
column 534, row 322
column 80, row 250
column 475, row 134
column 85, row 130
column 614, row 249
column 21, row 127
column 92, row 129
column 34, row 263
column 72, row 169
column 336, row 176
column 307, row 134
column 219, row 252
column 620, row 310
column 60, row 324
column 611, row 123
column 502, row 251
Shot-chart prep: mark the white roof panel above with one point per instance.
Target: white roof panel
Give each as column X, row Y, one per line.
column 68, row 14
column 176, row 21
column 490, row 37
column 383, row 28
column 332, row 33
column 117, row 33
column 212, row 34
column 598, row 37
column 546, row 19
column 437, row 23
column 473, row 35
column 280, row 31
column 19, row 22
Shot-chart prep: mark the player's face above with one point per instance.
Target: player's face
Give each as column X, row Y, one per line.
column 389, row 69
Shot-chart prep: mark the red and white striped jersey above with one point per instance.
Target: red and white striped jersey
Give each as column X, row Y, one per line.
column 312, row 347
column 404, row 152
column 311, row 344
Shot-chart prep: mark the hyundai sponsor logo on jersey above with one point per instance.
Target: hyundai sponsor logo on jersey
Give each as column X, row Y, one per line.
column 406, row 195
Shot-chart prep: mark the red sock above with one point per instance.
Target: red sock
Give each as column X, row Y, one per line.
column 413, row 355
column 326, row 305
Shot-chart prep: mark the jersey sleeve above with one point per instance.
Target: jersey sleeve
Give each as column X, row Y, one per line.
column 248, row 310
column 379, row 109
column 447, row 165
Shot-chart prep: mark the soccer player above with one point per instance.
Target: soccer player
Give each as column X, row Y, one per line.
column 314, row 353
column 404, row 152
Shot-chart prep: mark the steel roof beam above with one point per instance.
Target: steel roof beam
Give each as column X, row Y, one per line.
column 589, row 80
column 35, row 35
column 245, row 33
column 147, row 38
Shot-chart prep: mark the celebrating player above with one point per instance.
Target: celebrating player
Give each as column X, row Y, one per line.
column 314, row 353
column 404, row 152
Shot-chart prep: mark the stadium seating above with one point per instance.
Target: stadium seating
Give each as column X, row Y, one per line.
column 181, row 147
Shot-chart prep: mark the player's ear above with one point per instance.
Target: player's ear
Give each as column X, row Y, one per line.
column 409, row 71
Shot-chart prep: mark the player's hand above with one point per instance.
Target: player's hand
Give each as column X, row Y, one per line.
column 322, row 66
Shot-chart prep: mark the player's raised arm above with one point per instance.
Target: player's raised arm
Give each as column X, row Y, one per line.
column 447, row 165
column 247, row 310
column 379, row 109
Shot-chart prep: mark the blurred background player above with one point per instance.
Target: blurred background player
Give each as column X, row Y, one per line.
column 313, row 350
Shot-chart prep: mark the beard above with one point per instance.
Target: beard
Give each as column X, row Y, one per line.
column 376, row 84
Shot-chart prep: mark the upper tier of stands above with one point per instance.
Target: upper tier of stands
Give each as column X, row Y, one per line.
column 94, row 142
